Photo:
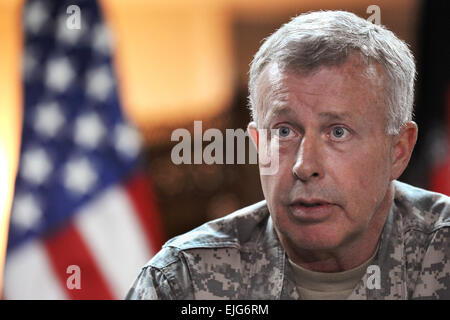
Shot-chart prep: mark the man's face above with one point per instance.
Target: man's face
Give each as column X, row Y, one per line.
column 334, row 156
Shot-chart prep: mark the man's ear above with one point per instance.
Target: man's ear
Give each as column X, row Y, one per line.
column 253, row 132
column 404, row 144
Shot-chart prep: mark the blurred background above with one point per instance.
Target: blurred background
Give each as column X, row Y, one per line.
column 90, row 95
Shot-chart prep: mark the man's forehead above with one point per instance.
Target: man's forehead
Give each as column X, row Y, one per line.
column 276, row 87
column 273, row 92
column 355, row 66
column 271, row 79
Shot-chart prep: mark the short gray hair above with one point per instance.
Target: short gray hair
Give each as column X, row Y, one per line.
column 327, row 38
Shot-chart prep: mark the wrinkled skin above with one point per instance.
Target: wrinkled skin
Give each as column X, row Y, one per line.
column 332, row 192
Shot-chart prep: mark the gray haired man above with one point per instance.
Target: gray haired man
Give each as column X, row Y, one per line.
column 336, row 93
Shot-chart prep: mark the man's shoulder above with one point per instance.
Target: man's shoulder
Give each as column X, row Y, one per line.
column 422, row 209
column 425, row 222
column 235, row 230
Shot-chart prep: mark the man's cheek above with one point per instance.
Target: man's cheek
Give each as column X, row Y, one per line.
column 362, row 166
column 269, row 186
column 366, row 192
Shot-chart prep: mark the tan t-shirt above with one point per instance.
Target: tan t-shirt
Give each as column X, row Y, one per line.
column 328, row 286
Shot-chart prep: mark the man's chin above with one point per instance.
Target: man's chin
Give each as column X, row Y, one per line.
column 317, row 238
column 317, row 246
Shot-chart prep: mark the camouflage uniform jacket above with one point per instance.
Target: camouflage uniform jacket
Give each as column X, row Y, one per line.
column 240, row 256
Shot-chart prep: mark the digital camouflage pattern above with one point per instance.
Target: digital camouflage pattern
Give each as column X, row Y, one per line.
column 240, row 257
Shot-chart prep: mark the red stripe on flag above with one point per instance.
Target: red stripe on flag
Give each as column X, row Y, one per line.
column 65, row 248
column 141, row 193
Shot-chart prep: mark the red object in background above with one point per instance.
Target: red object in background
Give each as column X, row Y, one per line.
column 440, row 176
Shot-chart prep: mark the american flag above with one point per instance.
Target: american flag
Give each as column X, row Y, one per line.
column 83, row 205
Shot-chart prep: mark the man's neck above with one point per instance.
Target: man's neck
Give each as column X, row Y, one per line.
column 352, row 253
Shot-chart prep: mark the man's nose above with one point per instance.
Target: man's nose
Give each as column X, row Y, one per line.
column 308, row 162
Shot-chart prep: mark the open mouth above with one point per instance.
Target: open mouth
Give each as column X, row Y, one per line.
column 310, row 205
column 313, row 210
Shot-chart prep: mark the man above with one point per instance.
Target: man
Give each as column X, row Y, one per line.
column 336, row 93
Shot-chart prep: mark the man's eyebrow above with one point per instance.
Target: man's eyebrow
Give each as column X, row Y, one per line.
column 279, row 109
column 331, row 115
column 275, row 112
column 283, row 109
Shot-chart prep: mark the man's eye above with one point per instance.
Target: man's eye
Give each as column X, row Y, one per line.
column 339, row 133
column 284, row 131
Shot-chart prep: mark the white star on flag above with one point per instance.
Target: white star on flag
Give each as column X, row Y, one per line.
column 89, row 130
column 79, row 177
column 66, row 35
column 35, row 16
column 49, row 119
column 59, row 74
column 99, row 83
column 36, row 166
column 127, row 140
column 27, row 212
column 102, row 39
